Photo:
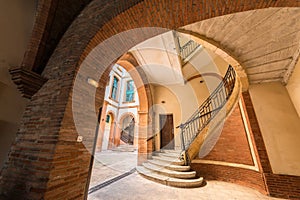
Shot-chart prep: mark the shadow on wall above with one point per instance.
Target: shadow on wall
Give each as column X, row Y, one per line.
column 8, row 133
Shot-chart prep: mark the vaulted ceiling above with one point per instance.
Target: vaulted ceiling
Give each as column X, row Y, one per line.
column 266, row 42
column 159, row 59
column 53, row 18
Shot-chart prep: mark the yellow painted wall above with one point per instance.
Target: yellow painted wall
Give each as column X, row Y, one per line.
column 279, row 124
column 171, row 106
column 179, row 100
column 293, row 87
column 183, row 99
column 218, row 61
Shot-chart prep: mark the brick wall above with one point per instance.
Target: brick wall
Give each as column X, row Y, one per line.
column 283, row 186
column 264, row 180
column 45, row 160
column 232, row 147
column 245, row 177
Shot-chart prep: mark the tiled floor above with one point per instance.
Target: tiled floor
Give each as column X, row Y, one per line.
column 136, row 187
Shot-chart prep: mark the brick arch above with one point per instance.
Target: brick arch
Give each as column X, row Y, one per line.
column 48, row 130
column 130, row 64
column 121, row 121
column 124, row 115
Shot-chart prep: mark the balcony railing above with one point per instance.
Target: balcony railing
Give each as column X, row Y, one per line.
column 187, row 49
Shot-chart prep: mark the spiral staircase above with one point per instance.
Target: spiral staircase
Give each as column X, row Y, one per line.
column 171, row 167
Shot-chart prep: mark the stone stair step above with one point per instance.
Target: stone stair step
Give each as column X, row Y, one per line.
column 171, row 155
column 175, row 182
column 170, row 173
column 170, row 151
column 174, row 161
column 178, row 168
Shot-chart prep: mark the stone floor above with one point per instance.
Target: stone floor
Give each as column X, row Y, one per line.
column 111, row 164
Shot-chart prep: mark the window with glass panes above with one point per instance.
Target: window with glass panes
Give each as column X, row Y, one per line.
column 114, row 89
column 129, row 91
column 107, row 118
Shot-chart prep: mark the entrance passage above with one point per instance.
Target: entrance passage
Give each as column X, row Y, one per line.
column 166, row 131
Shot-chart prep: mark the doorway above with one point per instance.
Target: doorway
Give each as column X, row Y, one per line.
column 127, row 133
column 166, row 131
column 108, row 132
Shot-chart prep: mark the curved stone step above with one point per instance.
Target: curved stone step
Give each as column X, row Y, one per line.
column 178, row 168
column 175, row 182
column 171, row 155
column 174, row 161
column 170, row 151
column 170, row 173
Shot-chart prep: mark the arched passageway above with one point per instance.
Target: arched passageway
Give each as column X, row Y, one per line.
column 48, row 127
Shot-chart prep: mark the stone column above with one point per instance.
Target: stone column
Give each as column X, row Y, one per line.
column 143, row 127
column 101, row 127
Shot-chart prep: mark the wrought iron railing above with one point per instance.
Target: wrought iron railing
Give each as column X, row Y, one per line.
column 208, row 110
column 188, row 49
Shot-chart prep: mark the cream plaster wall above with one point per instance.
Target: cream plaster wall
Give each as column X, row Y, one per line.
column 279, row 124
column 158, row 54
column 218, row 61
column 293, row 87
column 171, row 106
column 180, row 100
column 200, row 90
column 16, row 22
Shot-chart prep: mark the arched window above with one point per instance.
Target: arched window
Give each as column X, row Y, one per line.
column 107, row 118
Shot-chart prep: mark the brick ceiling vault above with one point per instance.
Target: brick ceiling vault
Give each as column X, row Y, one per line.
column 53, row 18
column 265, row 42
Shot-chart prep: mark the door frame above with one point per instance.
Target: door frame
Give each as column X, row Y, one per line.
column 161, row 128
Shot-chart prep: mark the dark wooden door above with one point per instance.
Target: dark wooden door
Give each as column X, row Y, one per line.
column 166, row 131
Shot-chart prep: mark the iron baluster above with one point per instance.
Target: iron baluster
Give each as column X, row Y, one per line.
column 208, row 110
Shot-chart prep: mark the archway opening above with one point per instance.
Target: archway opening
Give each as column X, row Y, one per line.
column 117, row 140
column 108, row 131
column 76, row 40
column 127, row 133
column 178, row 86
